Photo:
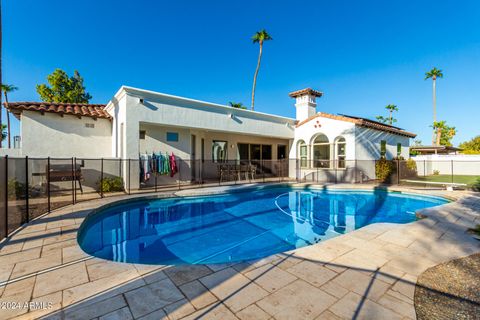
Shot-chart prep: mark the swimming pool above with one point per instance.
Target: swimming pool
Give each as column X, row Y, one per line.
column 238, row 226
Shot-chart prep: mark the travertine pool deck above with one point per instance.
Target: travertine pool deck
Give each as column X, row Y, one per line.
column 366, row 274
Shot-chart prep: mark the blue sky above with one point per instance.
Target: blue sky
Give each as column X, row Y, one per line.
column 362, row 54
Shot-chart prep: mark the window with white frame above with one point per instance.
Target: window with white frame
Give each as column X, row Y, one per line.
column 321, row 152
column 302, row 153
column 340, row 149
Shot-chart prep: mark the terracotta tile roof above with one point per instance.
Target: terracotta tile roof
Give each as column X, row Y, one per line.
column 76, row 109
column 309, row 91
column 362, row 122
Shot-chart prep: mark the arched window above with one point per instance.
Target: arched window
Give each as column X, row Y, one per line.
column 302, row 153
column 340, row 150
column 321, row 152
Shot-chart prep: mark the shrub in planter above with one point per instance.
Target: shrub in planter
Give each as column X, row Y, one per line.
column 110, row 184
column 384, row 169
column 16, row 189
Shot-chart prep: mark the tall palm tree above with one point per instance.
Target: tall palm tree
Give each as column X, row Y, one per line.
column 260, row 37
column 8, row 88
column 434, row 74
column 391, row 108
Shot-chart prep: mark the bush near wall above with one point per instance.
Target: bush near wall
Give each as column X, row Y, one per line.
column 110, row 184
column 384, row 169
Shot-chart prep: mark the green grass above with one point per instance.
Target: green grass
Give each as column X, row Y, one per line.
column 470, row 181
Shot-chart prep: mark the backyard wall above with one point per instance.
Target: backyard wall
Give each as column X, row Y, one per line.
column 447, row 164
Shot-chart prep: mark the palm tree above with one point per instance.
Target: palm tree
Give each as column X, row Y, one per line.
column 391, row 108
column 260, row 37
column 7, row 88
column 434, row 74
column 237, row 105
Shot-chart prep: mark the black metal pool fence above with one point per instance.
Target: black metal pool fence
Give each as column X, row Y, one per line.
column 31, row 187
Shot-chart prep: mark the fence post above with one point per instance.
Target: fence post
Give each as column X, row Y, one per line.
column 179, row 174
column 26, row 189
column 452, row 169
column 48, row 184
column 129, row 174
column 101, row 178
column 398, row 171
column 74, row 177
column 155, row 181
column 263, row 170
column 6, row 196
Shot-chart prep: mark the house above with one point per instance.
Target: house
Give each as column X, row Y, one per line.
column 137, row 121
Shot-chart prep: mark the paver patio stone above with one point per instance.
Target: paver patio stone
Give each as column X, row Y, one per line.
column 352, row 306
column 198, row 295
column 120, row 314
column 397, row 305
column 89, row 310
column 328, row 315
column 253, row 312
column 22, row 288
column 233, row 288
column 334, row 289
column 359, row 258
column 270, row 277
column 121, row 282
column 298, row 300
column 406, row 286
column 215, row 312
column 313, row 273
column 155, row 315
column 59, row 279
column 360, row 283
column 49, row 260
column 16, row 257
column 186, row 273
column 152, row 297
column 73, row 253
column 39, row 308
column 179, row 309
column 107, row 268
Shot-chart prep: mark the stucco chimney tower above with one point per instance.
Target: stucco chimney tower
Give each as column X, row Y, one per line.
column 305, row 102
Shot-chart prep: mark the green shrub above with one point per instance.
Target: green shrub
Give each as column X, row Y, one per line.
column 436, row 172
column 411, row 165
column 476, row 185
column 16, row 189
column 111, row 184
column 384, row 169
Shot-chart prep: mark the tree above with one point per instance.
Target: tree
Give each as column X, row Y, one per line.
column 390, row 119
column 3, row 132
column 237, row 105
column 382, row 119
column 391, row 108
column 434, row 74
column 472, row 146
column 63, row 88
column 260, row 37
column 443, row 133
column 8, row 88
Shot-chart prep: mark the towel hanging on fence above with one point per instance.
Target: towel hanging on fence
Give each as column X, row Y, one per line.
column 173, row 165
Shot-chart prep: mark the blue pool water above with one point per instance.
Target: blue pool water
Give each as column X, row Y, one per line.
column 237, row 226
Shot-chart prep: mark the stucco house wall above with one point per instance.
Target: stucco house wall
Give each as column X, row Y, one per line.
column 50, row 135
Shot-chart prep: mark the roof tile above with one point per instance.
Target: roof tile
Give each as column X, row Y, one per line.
column 78, row 109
